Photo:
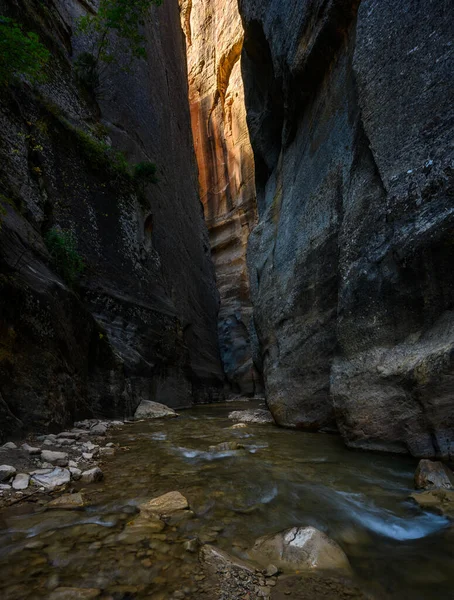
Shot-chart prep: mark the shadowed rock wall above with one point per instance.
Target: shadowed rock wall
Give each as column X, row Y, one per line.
column 349, row 107
column 141, row 323
column 214, row 38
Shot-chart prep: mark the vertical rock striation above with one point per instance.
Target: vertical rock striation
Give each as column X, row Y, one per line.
column 349, row 107
column 214, row 37
column 142, row 321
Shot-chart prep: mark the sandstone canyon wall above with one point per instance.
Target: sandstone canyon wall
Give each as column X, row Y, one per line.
column 214, row 38
column 349, row 107
column 142, row 322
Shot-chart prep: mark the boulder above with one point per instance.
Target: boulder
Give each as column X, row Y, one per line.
column 6, row 471
column 239, row 425
column 68, row 501
column 92, row 475
column 55, row 458
column 21, row 481
column 32, row 451
column 433, row 474
column 9, row 446
column 165, row 505
column 300, row 548
column 99, row 429
column 258, row 416
column 153, row 410
column 52, row 479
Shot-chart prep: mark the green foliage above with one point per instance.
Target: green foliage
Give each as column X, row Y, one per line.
column 21, row 53
column 121, row 17
column 62, row 247
column 144, row 173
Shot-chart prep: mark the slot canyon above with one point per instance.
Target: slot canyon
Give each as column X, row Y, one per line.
column 226, row 299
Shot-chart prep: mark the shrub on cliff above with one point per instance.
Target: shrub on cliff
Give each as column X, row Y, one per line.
column 21, row 53
column 62, row 247
column 123, row 18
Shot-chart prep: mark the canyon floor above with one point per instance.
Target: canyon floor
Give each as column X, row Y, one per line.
column 275, row 479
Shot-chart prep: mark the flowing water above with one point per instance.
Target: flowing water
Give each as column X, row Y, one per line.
column 282, row 478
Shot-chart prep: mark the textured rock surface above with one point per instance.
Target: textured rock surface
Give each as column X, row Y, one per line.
column 351, row 122
column 143, row 323
column 300, row 548
column 153, row 410
column 430, row 474
column 214, row 37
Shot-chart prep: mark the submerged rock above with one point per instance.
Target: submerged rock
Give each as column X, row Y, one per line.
column 239, row 425
column 68, row 501
column 52, row 479
column 165, row 505
column 69, row 593
column 6, row 471
column 431, row 474
column 259, row 416
column 225, row 446
column 215, row 559
column 300, row 548
column 153, row 410
column 438, row 500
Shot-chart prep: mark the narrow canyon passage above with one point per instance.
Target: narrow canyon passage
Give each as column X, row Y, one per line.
column 226, row 300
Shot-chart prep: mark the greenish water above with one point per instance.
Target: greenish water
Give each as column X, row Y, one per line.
column 282, row 478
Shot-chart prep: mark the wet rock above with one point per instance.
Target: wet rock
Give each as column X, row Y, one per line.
column 438, row 500
column 258, row 416
column 99, row 429
column 21, row 481
column 153, row 410
column 106, row 451
column 10, row 446
column 55, row 458
column 76, row 473
column 300, row 548
column 32, row 451
column 68, row 501
column 52, row 479
column 431, row 474
column 239, row 425
column 69, row 593
column 6, row 472
column 141, row 528
column 92, row 475
column 165, row 505
column 226, row 446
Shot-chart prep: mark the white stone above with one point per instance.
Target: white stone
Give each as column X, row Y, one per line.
column 10, row 446
column 153, row 410
column 31, row 450
column 75, row 473
column 55, row 458
column 53, row 479
column 21, row 481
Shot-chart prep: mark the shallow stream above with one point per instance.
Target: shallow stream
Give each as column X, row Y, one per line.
column 282, row 478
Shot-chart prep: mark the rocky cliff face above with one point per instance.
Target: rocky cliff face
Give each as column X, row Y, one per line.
column 214, row 37
column 141, row 323
column 351, row 119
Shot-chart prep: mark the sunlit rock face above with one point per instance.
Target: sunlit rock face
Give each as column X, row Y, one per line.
column 349, row 106
column 214, row 37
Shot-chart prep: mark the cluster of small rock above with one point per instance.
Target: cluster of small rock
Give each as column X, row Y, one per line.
column 55, row 459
